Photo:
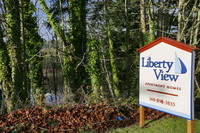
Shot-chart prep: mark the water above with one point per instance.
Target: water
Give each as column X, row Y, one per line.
column 53, row 85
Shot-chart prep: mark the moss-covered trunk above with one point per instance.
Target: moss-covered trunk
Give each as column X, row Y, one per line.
column 33, row 47
column 5, row 73
column 77, row 40
column 15, row 51
column 115, row 79
column 94, row 68
column 114, row 72
column 151, row 21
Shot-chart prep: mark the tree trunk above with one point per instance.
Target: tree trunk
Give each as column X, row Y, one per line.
column 107, row 75
column 14, row 50
column 143, row 15
column 194, row 38
column 160, row 19
column 93, row 68
column 33, row 64
column 180, row 20
column 196, row 41
column 5, row 77
column 26, row 90
column 128, row 85
column 77, row 39
column 115, row 79
column 68, row 71
column 151, row 21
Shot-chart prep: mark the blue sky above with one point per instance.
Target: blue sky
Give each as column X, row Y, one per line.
column 42, row 19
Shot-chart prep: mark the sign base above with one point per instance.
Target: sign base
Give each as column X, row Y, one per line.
column 190, row 126
column 141, row 116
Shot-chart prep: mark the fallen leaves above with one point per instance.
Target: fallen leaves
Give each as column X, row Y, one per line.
column 96, row 117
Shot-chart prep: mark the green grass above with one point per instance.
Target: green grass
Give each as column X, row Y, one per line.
column 163, row 125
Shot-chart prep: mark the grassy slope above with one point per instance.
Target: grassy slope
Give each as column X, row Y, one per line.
column 163, row 125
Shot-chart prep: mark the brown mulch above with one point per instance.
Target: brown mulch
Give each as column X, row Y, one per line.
column 75, row 119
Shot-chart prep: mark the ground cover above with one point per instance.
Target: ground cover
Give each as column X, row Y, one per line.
column 101, row 117
column 162, row 125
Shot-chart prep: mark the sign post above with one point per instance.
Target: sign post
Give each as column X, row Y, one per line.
column 141, row 116
column 167, row 78
column 190, row 126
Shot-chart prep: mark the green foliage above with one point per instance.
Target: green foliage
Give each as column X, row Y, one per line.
column 94, row 67
column 110, row 66
column 114, row 70
column 15, row 52
column 5, row 72
column 77, row 39
column 52, row 22
column 68, row 71
column 152, row 28
column 33, row 47
column 124, row 39
column 23, row 43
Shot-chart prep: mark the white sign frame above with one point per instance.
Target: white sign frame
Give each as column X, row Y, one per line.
column 166, row 77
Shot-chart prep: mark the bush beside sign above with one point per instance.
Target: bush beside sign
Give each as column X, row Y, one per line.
column 167, row 77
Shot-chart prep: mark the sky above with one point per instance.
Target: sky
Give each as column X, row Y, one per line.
column 42, row 19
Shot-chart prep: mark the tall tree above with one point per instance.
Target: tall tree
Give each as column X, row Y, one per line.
column 114, row 72
column 94, row 68
column 26, row 89
column 120, row 20
column 180, row 20
column 143, row 15
column 77, row 39
column 33, row 45
column 160, row 20
column 14, row 49
column 5, row 74
column 126, row 48
column 151, row 20
column 188, row 21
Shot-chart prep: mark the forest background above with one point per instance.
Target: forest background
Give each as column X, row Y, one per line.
column 90, row 51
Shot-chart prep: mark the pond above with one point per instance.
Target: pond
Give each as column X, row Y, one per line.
column 53, row 85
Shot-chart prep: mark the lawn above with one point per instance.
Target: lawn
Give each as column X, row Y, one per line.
column 162, row 125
